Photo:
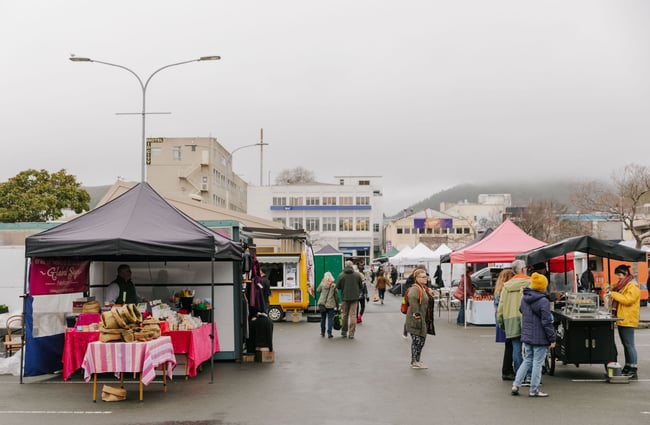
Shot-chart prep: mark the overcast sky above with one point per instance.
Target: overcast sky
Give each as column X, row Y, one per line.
column 426, row 93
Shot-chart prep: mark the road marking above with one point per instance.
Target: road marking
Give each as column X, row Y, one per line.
column 55, row 412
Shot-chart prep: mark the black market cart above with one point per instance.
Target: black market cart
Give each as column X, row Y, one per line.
column 585, row 333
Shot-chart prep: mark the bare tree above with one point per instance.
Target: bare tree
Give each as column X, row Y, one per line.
column 631, row 188
column 296, row 175
column 541, row 220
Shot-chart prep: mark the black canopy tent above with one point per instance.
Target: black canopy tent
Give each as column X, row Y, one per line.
column 141, row 226
column 587, row 244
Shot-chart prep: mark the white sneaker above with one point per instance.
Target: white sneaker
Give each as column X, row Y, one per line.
column 415, row 365
column 422, row 366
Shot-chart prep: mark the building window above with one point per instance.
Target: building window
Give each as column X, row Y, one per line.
column 295, row 223
column 363, row 200
column 280, row 220
column 375, row 227
column 279, row 201
column 399, row 231
column 329, row 224
column 345, row 224
column 345, row 200
column 295, row 201
column 341, row 182
column 363, row 224
column 329, row 200
column 176, row 153
column 364, row 182
column 312, row 200
column 312, row 224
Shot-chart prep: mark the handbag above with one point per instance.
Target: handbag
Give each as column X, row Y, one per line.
column 500, row 334
column 322, row 308
column 337, row 323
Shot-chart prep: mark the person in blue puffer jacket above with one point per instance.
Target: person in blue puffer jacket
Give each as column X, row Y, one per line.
column 537, row 334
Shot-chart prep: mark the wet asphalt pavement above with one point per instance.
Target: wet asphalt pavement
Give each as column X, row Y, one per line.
column 341, row 381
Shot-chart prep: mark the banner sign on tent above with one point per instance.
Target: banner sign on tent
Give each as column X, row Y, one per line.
column 433, row 223
column 58, row 276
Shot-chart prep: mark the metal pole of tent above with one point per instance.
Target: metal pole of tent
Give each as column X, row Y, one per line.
column 22, row 336
column 212, row 323
column 465, row 296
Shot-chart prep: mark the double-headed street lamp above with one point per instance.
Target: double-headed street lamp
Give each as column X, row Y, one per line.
column 144, row 86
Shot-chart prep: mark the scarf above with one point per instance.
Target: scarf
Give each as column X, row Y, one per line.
column 618, row 288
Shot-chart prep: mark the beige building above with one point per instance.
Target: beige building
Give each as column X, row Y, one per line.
column 196, row 168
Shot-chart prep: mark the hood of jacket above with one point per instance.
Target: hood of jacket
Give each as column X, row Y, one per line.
column 532, row 297
column 348, row 270
column 515, row 284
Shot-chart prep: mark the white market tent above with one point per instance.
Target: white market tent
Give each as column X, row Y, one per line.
column 397, row 258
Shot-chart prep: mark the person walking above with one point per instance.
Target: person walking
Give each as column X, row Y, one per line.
column 363, row 298
column 328, row 301
column 537, row 334
column 508, row 314
column 418, row 301
column 437, row 277
column 349, row 283
column 381, row 282
column 507, row 369
column 625, row 297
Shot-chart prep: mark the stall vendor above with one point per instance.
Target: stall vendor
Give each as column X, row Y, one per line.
column 122, row 290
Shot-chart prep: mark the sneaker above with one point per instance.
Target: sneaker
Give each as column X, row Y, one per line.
column 330, row 336
column 422, row 365
column 344, row 335
column 322, row 335
column 405, row 336
column 382, row 301
column 415, row 365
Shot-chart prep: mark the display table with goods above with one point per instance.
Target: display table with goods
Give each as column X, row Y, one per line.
column 480, row 310
column 585, row 333
column 135, row 357
column 189, row 336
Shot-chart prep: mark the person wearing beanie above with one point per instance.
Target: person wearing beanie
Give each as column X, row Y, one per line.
column 537, row 334
column 625, row 306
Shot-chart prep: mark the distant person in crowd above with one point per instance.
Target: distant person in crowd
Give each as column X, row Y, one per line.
column 537, row 334
column 464, row 291
column 508, row 314
column 507, row 368
column 363, row 297
column 625, row 295
column 418, row 301
column 260, row 333
column 122, row 290
column 437, row 277
column 349, row 283
column 266, row 289
column 275, row 275
column 381, row 282
column 328, row 301
column 587, row 278
column 393, row 275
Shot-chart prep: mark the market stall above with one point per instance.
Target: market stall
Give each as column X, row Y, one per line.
column 585, row 330
column 138, row 227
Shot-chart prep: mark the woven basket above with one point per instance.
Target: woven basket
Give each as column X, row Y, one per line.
column 108, row 320
column 91, row 307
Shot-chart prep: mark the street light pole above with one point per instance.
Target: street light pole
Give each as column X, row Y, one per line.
column 143, row 86
column 261, row 144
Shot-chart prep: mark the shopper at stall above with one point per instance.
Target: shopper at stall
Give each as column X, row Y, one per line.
column 328, row 301
column 464, row 292
column 625, row 306
column 418, row 300
column 437, row 277
column 122, row 290
column 508, row 315
column 537, row 334
column 507, row 369
column 349, row 283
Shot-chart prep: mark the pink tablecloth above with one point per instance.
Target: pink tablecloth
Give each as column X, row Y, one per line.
column 74, row 350
column 120, row 357
column 196, row 344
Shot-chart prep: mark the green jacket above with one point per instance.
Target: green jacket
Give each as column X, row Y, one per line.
column 508, row 314
column 349, row 283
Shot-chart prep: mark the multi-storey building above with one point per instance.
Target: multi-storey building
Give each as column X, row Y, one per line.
column 197, row 168
column 346, row 215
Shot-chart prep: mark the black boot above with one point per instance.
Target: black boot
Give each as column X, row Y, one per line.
column 626, row 370
column 632, row 374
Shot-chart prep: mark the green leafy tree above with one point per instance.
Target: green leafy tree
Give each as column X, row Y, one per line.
column 36, row 196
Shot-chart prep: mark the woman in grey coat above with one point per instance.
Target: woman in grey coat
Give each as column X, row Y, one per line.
column 329, row 300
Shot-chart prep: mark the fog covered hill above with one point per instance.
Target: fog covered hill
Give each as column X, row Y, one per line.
column 522, row 193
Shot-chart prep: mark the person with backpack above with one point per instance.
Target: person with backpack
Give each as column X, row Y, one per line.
column 417, row 299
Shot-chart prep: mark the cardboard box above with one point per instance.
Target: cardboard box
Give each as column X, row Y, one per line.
column 265, row 356
column 248, row 358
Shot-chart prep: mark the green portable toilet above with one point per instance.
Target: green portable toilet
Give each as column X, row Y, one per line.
column 327, row 259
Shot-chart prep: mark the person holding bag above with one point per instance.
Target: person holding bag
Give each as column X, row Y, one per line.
column 328, row 301
column 418, row 301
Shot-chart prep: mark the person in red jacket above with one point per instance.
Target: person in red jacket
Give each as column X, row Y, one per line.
column 465, row 291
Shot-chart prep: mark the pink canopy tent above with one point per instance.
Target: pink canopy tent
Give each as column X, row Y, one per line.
column 500, row 246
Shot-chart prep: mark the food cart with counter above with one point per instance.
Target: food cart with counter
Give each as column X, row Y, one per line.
column 585, row 330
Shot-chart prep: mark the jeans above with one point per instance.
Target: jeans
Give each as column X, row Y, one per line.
column 516, row 352
column 460, row 320
column 382, row 292
column 534, row 356
column 627, row 339
column 329, row 314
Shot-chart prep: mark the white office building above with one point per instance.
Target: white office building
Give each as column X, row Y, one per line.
column 346, row 214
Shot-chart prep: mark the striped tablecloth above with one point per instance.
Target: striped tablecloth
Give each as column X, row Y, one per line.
column 120, row 357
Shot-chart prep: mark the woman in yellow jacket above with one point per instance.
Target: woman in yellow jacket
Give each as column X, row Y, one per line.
column 625, row 305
